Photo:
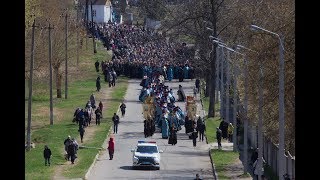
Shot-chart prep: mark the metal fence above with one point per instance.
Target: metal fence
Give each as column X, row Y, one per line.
column 270, row 153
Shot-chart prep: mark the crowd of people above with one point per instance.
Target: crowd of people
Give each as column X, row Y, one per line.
column 138, row 52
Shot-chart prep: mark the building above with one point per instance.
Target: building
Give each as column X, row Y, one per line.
column 101, row 9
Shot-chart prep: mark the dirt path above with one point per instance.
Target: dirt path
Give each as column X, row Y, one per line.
column 235, row 171
column 102, row 96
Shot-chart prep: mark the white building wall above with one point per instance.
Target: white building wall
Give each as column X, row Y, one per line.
column 107, row 13
column 99, row 18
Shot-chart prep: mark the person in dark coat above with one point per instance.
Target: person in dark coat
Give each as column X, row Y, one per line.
column 123, row 109
column 72, row 152
column 96, row 64
column 194, row 137
column 98, row 115
column 81, row 131
column 46, row 155
column 115, row 120
column 219, row 134
column 202, row 129
column 181, row 94
column 101, row 108
column 145, row 128
column 98, row 85
column 66, row 144
column 223, row 126
column 197, row 83
column 173, row 136
column 111, row 148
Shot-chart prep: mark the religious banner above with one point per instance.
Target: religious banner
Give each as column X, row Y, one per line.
column 191, row 110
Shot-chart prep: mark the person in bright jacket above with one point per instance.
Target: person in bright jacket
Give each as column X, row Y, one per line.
column 111, row 148
column 230, row 132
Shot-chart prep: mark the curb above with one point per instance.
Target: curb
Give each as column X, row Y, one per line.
column 215, row 174
column 96, row 157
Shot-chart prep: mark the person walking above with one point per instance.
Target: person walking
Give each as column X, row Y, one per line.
column 66, row 144
column 202, row 129
column 197, row 84
column 219, row 135
column 173, row 136
column 256, row 171
column 194, row 137
column 72, row 152
column 98, row 115
column 46, row 155
column 123, row 108
column 230, row 132
column 93, row 101
column 81, row 131
column 116, row 121
column 96, row 64
column 111, row 148
column 101, row 108
column 98, row 84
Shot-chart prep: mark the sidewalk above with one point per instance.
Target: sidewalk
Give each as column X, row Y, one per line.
column 235, row 170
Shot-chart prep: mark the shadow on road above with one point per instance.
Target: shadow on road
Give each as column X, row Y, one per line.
column 137, row 168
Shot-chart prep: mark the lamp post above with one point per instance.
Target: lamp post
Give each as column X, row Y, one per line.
column 217, row 70
column 234, row 95
column 245, row 124
column 281, row 99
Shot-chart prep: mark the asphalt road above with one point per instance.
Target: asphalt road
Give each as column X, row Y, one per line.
column 181, row 161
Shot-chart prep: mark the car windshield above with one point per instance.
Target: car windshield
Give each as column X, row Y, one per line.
column 147, row 149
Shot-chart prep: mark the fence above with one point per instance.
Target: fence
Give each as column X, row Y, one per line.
column 270, row 153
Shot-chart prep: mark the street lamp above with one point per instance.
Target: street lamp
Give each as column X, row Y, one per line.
column 234, row 89
column 281, row 98
column 245, row 129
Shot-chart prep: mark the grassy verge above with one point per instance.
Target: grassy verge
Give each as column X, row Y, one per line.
column 222, row 159
column 211, row 123
column 81, row 85
column 86, row 156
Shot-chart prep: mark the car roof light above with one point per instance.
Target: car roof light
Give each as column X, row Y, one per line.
column 147, row 142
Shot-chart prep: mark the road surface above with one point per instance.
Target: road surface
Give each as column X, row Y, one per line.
column 182, row 161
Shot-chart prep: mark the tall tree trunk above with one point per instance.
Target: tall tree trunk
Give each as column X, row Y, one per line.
column 58, row 82
column 208, row 86
column 211, row 110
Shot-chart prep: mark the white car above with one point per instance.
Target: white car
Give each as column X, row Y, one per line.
column 146, row 154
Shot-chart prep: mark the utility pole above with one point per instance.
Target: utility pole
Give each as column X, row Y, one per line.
column 50, row 70
column 77, row 25
column 30, row 88
column 235, row 106
column 222, row 93
column 87, row 22
column 93, row 35
column 260, row 124
column 227, row 88
column 66, row 59
column 245, row 124
column 217, row 74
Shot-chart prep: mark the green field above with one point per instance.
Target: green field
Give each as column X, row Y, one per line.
column 81, row 85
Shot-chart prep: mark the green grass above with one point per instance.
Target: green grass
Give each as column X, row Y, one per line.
column 269, row 173
column 211, row 123
column 86, row 156
column 223, row 159
column 42, row 133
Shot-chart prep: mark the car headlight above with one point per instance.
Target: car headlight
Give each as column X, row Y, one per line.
column 135, row 158
column 157, row 160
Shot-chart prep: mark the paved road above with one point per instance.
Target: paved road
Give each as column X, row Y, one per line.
column 181, row 161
